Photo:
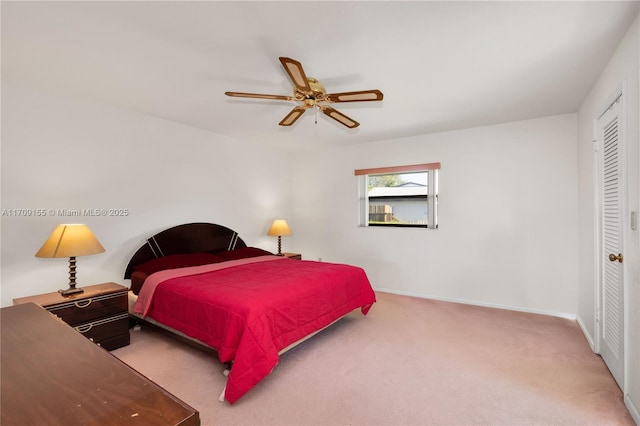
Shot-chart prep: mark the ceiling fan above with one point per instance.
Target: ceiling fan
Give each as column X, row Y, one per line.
column 311, row 94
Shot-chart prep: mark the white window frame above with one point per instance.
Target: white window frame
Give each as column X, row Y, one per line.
column 432, row 194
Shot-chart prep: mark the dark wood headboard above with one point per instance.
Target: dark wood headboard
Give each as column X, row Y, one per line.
column 187, row 238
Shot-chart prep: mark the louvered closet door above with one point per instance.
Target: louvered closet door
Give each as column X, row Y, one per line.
column 611, row 288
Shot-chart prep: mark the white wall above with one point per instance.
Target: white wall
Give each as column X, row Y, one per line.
column 508, row 209
column 65, row 153
column 622, row 69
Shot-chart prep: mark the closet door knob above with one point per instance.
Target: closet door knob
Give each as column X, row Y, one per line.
column 613, row 257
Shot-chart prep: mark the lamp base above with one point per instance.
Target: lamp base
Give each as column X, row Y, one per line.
column 72, row 280
column 70, row 291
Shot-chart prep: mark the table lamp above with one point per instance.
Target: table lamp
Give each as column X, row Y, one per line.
column 70, row 240
column 279, row 228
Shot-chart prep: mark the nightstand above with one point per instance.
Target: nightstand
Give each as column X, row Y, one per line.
column 296, row 256
column 100, row 313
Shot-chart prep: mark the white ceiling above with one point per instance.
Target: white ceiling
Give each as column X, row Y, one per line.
column 440, row 65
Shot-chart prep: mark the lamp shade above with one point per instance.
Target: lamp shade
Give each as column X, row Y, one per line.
column 279, row 228
column 70, row 240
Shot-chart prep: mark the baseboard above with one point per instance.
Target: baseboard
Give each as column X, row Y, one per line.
column 586, row 334
column 633, row 410
column 476, row 303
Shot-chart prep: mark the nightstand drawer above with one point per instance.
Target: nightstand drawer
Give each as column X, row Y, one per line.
column 116, row 342
column 88, row 309
column 99, row 313
column 105, row 328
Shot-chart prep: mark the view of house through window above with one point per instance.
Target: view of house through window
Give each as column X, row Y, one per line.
column 398, row 199
column 407, row 197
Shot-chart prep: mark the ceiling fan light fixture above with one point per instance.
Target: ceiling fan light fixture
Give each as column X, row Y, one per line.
column 312, row 94
column 316, row 87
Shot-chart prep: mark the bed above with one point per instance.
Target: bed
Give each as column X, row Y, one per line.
column 202, row 282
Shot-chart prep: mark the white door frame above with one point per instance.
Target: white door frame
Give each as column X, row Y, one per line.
column 619, row 96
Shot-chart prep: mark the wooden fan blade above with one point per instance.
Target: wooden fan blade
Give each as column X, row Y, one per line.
column 340, row 117
column 260, row 96
column 296, row 74
column 364, row 95
column 292, row 116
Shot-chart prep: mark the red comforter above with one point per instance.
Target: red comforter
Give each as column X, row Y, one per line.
column 251, row 310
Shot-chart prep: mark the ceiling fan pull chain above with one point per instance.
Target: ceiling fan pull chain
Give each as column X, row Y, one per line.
column 316, row 108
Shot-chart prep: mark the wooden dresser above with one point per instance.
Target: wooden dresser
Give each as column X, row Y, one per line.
column 52, row 375
column 100, row 313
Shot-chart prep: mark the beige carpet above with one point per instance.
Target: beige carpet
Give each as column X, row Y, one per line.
column 410, row 361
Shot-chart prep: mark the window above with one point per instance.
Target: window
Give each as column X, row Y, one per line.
column 402, row 196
